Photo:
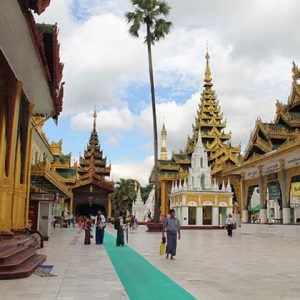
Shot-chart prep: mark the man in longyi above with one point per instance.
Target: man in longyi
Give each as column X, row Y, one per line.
column 172, row 226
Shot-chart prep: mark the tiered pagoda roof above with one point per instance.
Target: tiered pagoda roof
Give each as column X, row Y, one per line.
column 93, row 167
column 212, row 125
column 267, row 137
column 63, row 165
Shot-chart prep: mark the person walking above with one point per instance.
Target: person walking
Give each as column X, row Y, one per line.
column 172, row 226
column 118, row 225
column 100, row 226
column 230, row 225
column 87, row 229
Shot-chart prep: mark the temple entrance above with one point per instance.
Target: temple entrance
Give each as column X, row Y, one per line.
column 274, row 202
column 192, row 215
column 222, row 215
column 86, row 209
column 253, row 203
column 207, row 215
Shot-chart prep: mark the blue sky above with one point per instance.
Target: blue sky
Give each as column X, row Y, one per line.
column 104, row 66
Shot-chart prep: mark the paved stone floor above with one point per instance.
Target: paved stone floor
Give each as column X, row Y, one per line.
column 209, row 265
column 84, row 272
column 212, row 266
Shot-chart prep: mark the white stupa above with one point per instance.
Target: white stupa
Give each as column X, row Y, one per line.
column 138, row 207
column 199, row 174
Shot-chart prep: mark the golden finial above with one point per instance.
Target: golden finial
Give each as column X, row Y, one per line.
column 208, row 78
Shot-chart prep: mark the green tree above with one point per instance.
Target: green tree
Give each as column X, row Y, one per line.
column 123, row 195
column 150, row 13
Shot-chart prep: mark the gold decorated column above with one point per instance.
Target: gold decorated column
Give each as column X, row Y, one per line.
column 163, row 198
column 109, row 206
column 29, row 154
column 7, row 181
column 71, row 204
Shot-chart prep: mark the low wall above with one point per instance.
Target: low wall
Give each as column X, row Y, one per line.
column 272, row 230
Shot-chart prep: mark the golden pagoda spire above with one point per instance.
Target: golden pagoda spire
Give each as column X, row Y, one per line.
column 208, row 78
column 163, row 150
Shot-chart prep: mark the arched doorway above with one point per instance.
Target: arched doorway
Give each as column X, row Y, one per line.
column 87, row 209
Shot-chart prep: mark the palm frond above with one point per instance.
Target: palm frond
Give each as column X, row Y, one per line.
column 164, row 8
column 129, row 16
column 162, row 28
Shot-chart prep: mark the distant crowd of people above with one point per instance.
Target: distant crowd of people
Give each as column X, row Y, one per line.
column 171, row 229
column 96, row 225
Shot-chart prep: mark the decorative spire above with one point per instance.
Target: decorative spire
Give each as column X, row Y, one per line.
column 163, row 150
column 207, row 78
column 95, row 118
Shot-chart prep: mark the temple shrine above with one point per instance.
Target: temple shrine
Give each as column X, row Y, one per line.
column 221, row 154
column 92, row 189
column 270, row 169
column 211, row 124
column 195, row 199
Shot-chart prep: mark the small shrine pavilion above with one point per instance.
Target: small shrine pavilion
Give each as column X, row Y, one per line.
column 197, row 201
column 92, row 189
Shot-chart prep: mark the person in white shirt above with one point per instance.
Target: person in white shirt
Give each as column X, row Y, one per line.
column 100, row 226
column 230, row 225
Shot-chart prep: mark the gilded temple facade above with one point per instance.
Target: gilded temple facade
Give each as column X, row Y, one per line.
column 270, row 168
column 30, row 85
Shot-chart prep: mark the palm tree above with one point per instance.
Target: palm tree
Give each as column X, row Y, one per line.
column 149, row 12
column 123, row 195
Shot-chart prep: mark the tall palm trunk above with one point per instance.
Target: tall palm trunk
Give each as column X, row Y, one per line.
column 157, row 202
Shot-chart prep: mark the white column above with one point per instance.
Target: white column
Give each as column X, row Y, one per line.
column 286, row 211
column 178, row 213
column 199, row 216
column 245, row 216
column 185, row 216
column 263, row 216
column 215, row 216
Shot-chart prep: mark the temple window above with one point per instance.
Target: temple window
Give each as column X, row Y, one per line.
column 203, row 181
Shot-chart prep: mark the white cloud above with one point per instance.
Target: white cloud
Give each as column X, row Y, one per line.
column 139, row 170
column 252, row 46
column 109, row 120
column 113, row 140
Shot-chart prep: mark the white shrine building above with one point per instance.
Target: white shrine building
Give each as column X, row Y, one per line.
column 195, row 199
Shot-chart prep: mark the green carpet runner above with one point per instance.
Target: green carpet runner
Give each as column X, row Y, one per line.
column 141, row 280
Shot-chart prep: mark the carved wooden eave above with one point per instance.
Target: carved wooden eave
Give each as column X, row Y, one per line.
column 44, row 169
column 257, row 141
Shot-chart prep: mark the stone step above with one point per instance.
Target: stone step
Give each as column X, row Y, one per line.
column 17, row 259
column 25, row 269
column 10, row 251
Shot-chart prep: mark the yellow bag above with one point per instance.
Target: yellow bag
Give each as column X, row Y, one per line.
column 162, row 249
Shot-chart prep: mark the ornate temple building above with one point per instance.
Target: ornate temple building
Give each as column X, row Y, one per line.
column 30, row 85
column 221, row 154
column 92, row 189
column 47, row 189
column 211, row 124
column 197, row 201
column 270, row 166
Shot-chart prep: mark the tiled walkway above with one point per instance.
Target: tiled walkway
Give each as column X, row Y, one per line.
column 83, row 272
column 212, row 266
column 209, row 265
